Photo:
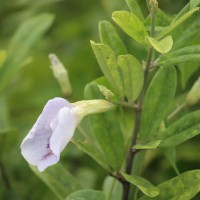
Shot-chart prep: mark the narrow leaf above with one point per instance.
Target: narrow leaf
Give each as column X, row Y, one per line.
column 135, row 8
column 132, row 76
column 26, row 36
column 58, row 179
column 110, row 37
column 158, row 98
column 163, row 46
column 185, row 186
column 131, row 25
column 107, row 130
column 108, row 64
column 149, row 145
column 144, row 185
column 176, row 23
column 87, row 194
column 93, row 152
column 181, row 130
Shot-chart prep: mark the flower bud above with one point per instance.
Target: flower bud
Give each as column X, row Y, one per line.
column 193, row 96
column 106, row 92
column 61, row 74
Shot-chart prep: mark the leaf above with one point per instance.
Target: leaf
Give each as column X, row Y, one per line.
column 108, row 64
column 110, row 37
column 135, row 8
column 194, row 3
column 176, row 23
column 158, row 98
column 181, row 130
column 106, row 130
column 87, row 194
column 132, row 76
column 112, row 188
column 92, row 151
column 170, row 154
column 26, row 36
column 58, row 179
column 163, row 46
column 149, row 145
column 185, row 186
column 144, row 185
column 131, row 25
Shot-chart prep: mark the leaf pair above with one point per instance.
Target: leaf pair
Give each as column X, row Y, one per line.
column 125, row 74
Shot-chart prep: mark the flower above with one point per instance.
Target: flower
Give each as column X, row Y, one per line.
column 54, row 129
column 50, row 134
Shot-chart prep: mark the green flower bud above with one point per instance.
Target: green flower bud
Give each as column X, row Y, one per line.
column 106, row 92
column 61, row 74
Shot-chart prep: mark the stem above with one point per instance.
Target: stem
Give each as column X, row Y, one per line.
column 138, row 112
column 4, row 176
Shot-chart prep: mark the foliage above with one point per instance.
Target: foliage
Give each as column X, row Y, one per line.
column 149, row 69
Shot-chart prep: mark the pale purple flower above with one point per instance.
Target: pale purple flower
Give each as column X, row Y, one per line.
column 50, row 134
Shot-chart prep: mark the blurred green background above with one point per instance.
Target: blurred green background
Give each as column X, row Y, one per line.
column 75, row 24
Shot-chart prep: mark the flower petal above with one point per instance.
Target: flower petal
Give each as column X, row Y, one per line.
column 35, row 146
column 49, row 160
column 63, row 131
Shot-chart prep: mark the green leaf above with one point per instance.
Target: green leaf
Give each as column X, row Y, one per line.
column 110, row 37
column 181, row 130
column 58, row 179
column 158, row 98
column 185, row 186
column 194, row 3
column 135, row 8
column 176, row 23
column 112, row 188
column 149, row 145
column 163, row 46
column 108, row 64
column 132, row 76
column 131, row 25
column 92, row 151
column 106, row 130
column 144, row 185
column 170, row 154
column 26, row 36
column 87, row 194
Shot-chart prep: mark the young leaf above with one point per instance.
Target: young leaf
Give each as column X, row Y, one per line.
column 110, row 37
column 92, row 151
column 163, row 46
column 176, row 23
column 135, row 8
column 158, row 98
column 108, row 64
column 58, row 179
column 184, row 186
column 3, row 55
column 26, row 36
column 131, row 25
column 181, row 130
column 144, row 185
column 106, row 130
column 132, row 76
column 149, row 145
column 87, row 194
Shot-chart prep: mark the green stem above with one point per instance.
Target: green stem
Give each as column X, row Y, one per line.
column 138, row 112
